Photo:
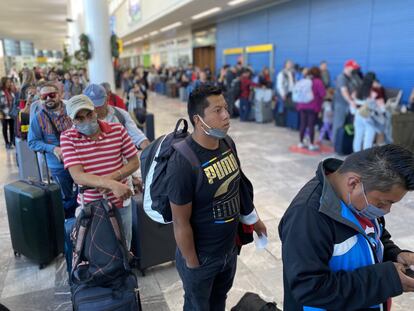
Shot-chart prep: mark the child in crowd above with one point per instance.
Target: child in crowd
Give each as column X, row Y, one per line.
column 327, row 116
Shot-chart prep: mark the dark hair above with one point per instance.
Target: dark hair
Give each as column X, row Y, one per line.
column 197, row 101
column 50, row 84
column 28, row 87
column 3, row 82
column 315, row 72
column 364, row 90
column 382, row 167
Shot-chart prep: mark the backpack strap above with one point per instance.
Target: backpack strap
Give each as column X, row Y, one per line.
column 183, row 147
column 119, row 233
column 230, row 143
column 81, row 232
column 119, row 115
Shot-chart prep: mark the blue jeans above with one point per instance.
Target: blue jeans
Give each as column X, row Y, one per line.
column 65, row 181
column 364, row 133
column 206, row 287
column 245, row 107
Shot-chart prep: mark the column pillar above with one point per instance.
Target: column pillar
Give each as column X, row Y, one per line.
column 96, row 17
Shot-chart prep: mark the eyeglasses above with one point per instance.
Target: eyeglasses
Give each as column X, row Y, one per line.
column 50, row 95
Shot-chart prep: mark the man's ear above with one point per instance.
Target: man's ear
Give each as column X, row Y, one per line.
column 196, row 119
column 353, row 180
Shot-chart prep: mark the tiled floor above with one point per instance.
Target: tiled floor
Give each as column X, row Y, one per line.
column 277, row 175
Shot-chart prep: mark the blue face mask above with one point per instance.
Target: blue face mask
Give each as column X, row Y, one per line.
column 370, row 211
column 88, row 128
column 213, row 132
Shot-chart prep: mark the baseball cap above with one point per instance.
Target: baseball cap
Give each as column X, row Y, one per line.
column 96, row 93
column 77, row 103
column 351, row 63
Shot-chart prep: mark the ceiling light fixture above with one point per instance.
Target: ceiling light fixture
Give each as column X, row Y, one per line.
column 236, row 2
column 154, row 33
column 172, row 26
column 206, row 13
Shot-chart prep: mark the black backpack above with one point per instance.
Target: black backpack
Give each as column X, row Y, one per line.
column 154, row 161
column 100, row 255
column 253, row 302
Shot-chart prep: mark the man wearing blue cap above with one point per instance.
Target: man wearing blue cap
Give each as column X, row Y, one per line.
column 108, row 113
column 97, row 94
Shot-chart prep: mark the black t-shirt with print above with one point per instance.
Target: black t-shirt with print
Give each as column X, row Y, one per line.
column 216, row 204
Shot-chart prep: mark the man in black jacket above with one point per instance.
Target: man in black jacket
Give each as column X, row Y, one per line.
column 337, row 254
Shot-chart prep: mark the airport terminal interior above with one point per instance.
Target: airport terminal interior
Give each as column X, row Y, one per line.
column 90, row 95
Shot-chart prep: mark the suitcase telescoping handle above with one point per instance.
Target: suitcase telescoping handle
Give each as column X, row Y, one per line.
column 39, row 169
column 82, row 190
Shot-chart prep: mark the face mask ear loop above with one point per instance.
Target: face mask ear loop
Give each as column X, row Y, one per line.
column 363, row 192
column 201, row 119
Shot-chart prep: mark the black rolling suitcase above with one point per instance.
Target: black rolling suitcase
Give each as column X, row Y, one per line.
column 152, row 243
column 36, row 219
column 344, row 139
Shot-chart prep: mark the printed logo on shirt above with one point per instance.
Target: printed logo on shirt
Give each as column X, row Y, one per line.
column 216, row 169
column 226, row 204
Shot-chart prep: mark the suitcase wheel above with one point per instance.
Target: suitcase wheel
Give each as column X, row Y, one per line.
column 17, row 254
column 142, row 272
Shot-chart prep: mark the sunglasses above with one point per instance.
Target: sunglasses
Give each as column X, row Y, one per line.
column 50, row 95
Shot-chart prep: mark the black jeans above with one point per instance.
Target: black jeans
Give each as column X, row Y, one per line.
column 307, row 120
column 8, row 131
column 206, row 287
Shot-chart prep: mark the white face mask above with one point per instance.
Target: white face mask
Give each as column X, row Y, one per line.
column 213, row 132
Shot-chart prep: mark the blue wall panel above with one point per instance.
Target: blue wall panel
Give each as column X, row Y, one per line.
column 339, row 30
column 288, row 30
column 253, row 29
column 392, row 44
column 379, row 34
column 227, row 37
column 258, row 60
column 232, row 59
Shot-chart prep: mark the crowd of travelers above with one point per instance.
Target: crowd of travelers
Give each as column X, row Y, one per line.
column 334, row 241
column 322, row 104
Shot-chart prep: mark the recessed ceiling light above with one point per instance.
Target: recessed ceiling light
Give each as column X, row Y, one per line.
column 172, row 26
column 206, row 13
column 236, row 2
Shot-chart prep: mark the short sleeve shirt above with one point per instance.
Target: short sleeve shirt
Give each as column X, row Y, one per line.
column 98, row 157
column 342, row 81
column 216, row 203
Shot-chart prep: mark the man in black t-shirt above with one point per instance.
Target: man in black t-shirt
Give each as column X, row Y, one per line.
column 206, row 215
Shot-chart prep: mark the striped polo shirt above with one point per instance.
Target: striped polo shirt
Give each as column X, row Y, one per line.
column 98, row 157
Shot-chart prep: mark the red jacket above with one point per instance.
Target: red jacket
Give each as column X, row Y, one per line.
column 245, row 85
column 116, row 101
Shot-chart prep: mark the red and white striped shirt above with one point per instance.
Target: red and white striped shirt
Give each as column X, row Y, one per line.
column 98, row 157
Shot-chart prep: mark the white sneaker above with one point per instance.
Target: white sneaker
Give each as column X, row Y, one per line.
column 313, row 147
column 301, row 145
